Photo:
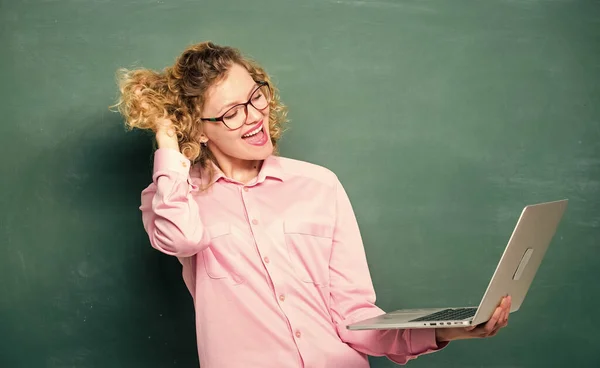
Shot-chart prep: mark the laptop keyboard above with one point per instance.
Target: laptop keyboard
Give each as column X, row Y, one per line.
column 448, row 315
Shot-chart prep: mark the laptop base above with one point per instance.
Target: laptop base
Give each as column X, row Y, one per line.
column 405, row 318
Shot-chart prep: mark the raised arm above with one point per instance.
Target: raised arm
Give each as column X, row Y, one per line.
column 169, row 212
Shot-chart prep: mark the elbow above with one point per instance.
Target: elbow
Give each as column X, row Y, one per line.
column 178, row 246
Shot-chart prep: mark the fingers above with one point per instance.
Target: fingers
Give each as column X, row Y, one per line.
column 470, row 328
column 497, row 321
column 491, row 324
column 506, row 305
column 503, row 320
column 493, row 333
column 505, row 311
column 166, row 126
column 138, row 92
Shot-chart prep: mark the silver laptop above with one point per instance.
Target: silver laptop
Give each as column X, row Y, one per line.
column 513, row 276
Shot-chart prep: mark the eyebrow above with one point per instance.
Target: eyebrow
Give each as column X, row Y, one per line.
column 224, row 109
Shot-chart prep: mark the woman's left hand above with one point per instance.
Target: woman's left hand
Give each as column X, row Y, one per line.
column 498, row 320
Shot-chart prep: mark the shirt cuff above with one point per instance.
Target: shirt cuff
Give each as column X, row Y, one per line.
column 167, row 159
column 422, row 340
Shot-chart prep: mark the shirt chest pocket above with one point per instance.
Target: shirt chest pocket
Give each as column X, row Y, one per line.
column 223, row 257
column 309, row 245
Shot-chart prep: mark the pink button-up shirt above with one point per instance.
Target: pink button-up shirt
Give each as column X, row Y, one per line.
column 276, row 267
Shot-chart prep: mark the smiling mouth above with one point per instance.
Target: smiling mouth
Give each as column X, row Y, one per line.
column 254, row 131
column 257, row 136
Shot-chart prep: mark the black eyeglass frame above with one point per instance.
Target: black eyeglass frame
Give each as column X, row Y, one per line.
column 249, row 102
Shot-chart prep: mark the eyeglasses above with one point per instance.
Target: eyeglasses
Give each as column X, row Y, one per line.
column 235, row 117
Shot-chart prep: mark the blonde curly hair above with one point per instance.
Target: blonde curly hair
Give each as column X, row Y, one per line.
column 178, row 93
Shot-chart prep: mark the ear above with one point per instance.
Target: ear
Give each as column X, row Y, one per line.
column 203, row 138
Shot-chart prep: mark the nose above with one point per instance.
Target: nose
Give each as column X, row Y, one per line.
column 252, row 114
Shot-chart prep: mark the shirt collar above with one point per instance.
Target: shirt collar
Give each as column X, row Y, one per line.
column 271, row 168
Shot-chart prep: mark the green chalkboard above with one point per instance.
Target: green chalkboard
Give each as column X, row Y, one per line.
column 441, row 118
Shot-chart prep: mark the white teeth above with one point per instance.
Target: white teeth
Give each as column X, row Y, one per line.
column 255, row 131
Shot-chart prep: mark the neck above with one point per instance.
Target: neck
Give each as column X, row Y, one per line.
column 242, row 171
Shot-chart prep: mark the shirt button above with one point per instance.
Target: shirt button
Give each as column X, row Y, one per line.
column 298, row 334
column 255, row 222
column 266, row 259
column 245, row 189
column 282, row 297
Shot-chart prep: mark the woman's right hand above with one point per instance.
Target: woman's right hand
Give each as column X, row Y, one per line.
column 166, row 137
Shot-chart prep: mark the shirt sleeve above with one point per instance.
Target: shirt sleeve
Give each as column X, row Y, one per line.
column 353, row 296
column 169, row 213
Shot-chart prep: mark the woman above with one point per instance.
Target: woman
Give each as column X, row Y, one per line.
column 270, row 247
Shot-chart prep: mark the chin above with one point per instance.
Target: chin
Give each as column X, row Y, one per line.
column 261, row 153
